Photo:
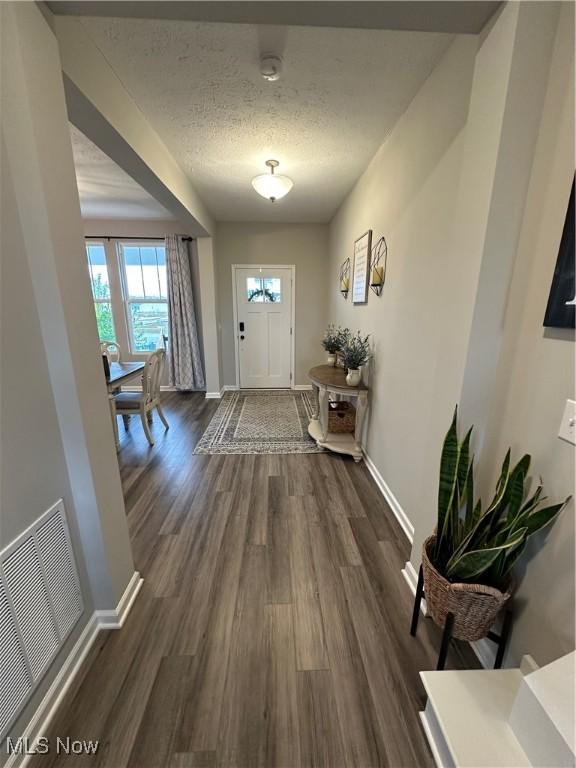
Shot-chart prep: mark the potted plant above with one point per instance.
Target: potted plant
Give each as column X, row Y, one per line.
column 334, row 340
column 467, row 563
column 355, row 354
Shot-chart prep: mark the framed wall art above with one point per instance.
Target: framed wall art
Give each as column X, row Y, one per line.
column 561, row 308
column 361, row 270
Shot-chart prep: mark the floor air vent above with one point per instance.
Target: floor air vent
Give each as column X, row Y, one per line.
column 40, row 602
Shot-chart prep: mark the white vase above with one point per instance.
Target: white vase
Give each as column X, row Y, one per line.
column 353, row 377
column 331, row 359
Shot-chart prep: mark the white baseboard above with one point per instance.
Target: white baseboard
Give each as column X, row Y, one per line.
column 53, row 697
column 235, row 388
column 218, row 395
column 46, row 710
column 114, row 619
column 484, row 649
column 138, row 388
column 486, row 652
column 411, row 576
column 436, row 740
column 399, row 513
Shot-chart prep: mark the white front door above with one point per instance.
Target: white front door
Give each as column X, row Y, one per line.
column 264, row 312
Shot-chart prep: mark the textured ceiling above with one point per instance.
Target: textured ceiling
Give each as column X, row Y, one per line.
column 199, row 86
column 106, row 191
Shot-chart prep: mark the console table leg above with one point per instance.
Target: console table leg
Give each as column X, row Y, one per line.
column 360, row 414
column 446, row 637
column 315, row 405
column 323, row 411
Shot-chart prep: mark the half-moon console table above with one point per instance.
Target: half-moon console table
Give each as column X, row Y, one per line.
column 326, row 380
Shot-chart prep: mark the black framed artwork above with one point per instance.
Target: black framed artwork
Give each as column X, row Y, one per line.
column 361, row 268
column 561, row 308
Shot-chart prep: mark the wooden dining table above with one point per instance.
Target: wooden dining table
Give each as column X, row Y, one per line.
column 120, row 374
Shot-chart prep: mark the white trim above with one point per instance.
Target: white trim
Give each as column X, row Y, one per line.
column 436, row 740
column 486, row 652
column 163, row 388
column 302, row 387
column 411, row 576
column 115, row 618
column 484, row 649
column 54, row 696
column 218, row 395
column 395, row 506
column 291, row 267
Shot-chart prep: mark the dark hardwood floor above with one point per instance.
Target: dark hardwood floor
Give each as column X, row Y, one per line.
column 273, row 625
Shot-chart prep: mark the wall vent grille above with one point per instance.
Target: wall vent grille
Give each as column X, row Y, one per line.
column 15, row 679
column 40, row 603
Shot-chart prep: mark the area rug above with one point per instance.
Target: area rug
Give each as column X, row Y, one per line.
column 260, row 421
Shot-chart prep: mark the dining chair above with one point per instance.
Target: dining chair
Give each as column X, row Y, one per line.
column 112, row 351
column 131, row 403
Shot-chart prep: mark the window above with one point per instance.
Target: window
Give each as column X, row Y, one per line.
column 265, row 289
column 101, row 291
column 145, row 295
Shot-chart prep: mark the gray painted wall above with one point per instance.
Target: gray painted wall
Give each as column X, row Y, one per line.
column 448, row 188
column 536, row 372
column 33, row 466
column 56, row 437
column 305, row 246
column 409, row 194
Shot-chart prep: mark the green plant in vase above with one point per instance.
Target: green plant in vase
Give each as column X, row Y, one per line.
column 356, row 353
column 468, row 561
column 335, row 338
column 484, row 545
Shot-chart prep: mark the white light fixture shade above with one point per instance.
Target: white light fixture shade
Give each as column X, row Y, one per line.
column 271, row 186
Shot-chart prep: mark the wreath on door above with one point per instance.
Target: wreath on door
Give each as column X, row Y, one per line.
column 258, row 292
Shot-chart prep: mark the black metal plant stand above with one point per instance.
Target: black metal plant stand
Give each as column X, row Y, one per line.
column 501, row 639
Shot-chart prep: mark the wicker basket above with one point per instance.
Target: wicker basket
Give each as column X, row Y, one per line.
column 341, row 417
column 475, row 606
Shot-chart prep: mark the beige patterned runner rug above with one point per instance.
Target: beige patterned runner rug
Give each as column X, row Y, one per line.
column 260, row 421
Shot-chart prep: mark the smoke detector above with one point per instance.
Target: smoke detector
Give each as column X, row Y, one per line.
column 271, row 67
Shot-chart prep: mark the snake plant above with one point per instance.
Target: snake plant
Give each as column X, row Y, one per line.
column 482, row 546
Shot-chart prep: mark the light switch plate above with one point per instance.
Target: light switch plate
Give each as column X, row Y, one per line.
column 568, row 425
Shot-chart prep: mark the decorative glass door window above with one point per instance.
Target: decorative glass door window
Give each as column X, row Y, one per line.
column 101, row 291
column 145, row 295
column 264, row 289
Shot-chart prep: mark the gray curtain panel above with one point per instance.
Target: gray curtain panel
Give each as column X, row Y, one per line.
column 184, row 360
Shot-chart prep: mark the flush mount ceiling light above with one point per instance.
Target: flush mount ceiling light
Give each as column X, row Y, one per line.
column 271, row 67
column 271, row 186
